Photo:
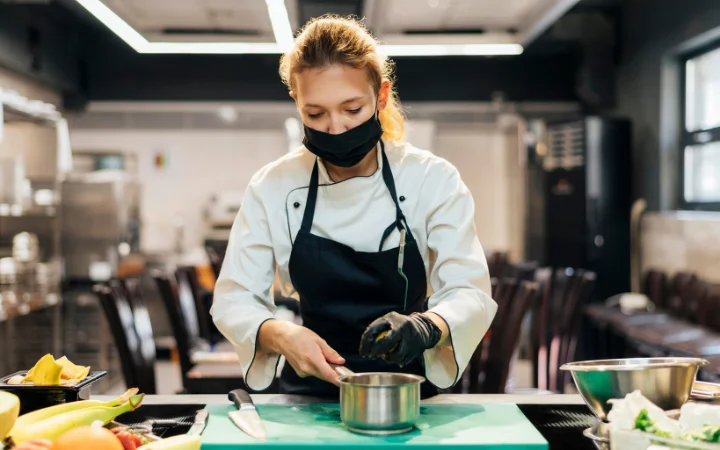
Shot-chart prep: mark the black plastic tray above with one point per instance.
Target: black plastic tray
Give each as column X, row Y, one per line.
column 36, row 397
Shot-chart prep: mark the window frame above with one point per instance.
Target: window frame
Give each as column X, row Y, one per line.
column 699, row 137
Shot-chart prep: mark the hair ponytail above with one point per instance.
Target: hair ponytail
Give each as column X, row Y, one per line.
column 330, row 40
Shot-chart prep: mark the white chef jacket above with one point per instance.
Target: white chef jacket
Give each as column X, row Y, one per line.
column 440, row 213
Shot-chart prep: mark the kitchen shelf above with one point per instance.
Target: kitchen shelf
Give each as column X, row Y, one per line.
column 28, row 304
column 16, row 108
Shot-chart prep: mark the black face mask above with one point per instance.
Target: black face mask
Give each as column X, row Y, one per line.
column 344, row 149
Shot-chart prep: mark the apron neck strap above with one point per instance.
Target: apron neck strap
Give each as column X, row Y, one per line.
column 387, row 175
column 309, row 214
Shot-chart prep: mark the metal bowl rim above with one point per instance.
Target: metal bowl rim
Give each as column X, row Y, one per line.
column 616, row 365
column 412, row 380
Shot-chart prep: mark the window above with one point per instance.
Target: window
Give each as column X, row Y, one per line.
column 701, row 136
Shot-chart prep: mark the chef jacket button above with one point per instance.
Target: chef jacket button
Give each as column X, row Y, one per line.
column 296, row 204
column 402, row 198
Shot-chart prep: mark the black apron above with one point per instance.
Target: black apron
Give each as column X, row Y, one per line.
column 342, row 291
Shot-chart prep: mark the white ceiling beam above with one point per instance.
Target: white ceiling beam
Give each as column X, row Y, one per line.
column 448, row 39
column 549, row 12
column 412, row 45
column 280, row 20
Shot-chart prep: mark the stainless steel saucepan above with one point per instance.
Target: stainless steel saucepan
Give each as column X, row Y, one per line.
column 379, row 403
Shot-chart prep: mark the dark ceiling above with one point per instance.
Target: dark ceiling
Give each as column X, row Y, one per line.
column 60, row 44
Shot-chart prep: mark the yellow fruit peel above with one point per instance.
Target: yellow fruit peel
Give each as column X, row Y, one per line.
column 51, row 372
column 72, row 371
column 46, row 372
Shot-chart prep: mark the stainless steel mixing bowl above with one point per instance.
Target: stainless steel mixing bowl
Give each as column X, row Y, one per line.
column 667, row 382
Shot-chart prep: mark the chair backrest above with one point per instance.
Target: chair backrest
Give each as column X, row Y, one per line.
column 504, row 339
column 656, row 287
column 216, row 259
column 121, row 321
column 184, row 329
column 540, row 328
column 190, row 275
column 556, row 321
column 681, row 291
column 710, row 309
column 525, row 270
column 695, row 302
column 147, row 356
column 503, row 291
column 578, row 297
column 498, row 264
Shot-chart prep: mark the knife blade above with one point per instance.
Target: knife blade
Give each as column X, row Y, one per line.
column 200, row 422
column 246, row 417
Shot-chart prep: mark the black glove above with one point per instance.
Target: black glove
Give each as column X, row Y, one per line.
column 399, row 339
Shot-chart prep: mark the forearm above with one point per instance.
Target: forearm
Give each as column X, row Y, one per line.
column 270, row 335
column 442, row 325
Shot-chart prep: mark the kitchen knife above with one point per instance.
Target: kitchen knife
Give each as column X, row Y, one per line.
column 246, row 417
column 200, row 422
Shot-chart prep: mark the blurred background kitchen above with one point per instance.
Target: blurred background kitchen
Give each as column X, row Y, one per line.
column 586, row 130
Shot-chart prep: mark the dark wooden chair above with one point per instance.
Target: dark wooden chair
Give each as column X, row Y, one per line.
column 524, row 270
column 681, row 287
column 216, row 259
column 701, row 340
column 183, row 320
column 578, row 297
column 503, row 290
column 556, row 322
column 710, row 309
column 498, row 264
column 212, row 373
column 652, row 337
column 539, row 329
column 147, row 356
column 130, row 346
column 505, row 337
column 656, row 288
column 188, row 274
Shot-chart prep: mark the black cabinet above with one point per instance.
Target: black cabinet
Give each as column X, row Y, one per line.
column 579, row 200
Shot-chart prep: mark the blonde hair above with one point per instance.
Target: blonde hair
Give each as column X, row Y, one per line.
column 331, row 40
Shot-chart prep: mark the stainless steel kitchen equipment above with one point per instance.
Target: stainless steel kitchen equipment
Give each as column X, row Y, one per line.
column 246, row 417
column 100, row 223
column 667, row 382
column 379, row 403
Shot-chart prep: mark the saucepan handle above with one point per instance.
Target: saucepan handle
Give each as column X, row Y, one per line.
column 342, row 370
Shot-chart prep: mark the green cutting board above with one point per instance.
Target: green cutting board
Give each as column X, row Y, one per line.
column 491, row 426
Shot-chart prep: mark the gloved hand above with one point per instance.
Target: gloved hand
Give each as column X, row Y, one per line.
column 399, row 339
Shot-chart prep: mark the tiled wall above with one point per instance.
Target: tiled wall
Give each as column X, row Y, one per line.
column 679, row 240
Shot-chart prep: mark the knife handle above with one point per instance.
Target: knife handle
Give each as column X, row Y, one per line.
column 241, row 398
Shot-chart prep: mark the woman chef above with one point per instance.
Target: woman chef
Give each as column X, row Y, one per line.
column 359, row 224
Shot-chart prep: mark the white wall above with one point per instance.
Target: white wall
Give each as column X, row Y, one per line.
column 203, row 162
column 200, row 163
column 486, row 157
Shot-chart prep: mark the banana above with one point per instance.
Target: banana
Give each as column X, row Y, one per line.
column 41, row 414
column 9, row 409
column 53, row 427
column 182, row 442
